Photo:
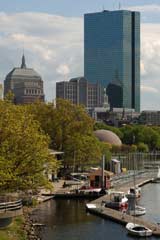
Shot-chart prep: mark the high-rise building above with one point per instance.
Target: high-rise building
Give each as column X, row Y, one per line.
column 111, row 50
column 25, row 83
column 80, row 91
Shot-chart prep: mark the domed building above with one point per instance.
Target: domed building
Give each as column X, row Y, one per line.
column 25, row 83
column 108, row 137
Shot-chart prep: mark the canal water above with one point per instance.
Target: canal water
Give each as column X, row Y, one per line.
column 67, row 219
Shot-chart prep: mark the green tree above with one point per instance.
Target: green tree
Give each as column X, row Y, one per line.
column 150, row 137
column 133, row 148
column 81, row 150
column 70, row 129
column 142, row 147
column 9, row 97
column 24, row 152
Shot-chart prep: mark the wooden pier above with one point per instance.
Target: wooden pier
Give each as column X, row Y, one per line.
column 118, row 216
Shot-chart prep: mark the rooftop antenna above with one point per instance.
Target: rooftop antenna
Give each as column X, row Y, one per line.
column 23, row 48
column 23, row 64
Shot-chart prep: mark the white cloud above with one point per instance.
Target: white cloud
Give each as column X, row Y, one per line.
column 150, row 13
column 150, row 66
column 145, row 8
column 149, row 89
column 63, row 69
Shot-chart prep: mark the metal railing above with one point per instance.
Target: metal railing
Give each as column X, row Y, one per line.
column 10, row 206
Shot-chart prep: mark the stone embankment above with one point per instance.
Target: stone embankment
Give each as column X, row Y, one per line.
column 31, row 229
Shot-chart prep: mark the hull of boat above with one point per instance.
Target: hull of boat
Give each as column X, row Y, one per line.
column 139, row 211
column 156, row 180
column 138, row 230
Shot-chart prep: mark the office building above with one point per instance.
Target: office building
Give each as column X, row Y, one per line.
column 112, row 54
column 150, row 117
column 25, row 83
column 80, row 91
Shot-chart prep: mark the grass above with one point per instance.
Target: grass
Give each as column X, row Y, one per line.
column 14, row 231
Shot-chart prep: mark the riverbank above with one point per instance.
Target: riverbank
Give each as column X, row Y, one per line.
column 29, row 228
column 23, row 227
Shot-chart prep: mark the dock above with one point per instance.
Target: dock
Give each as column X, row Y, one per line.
column 118, row 216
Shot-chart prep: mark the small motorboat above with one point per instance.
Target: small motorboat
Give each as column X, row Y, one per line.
column 138, row 211
column 157, row 179
column 118, row 201
column 84, row 189
column 138, row 230
column 90, row 206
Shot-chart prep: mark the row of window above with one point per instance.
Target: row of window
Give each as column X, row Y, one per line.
column 32, row 84
column 33, row 91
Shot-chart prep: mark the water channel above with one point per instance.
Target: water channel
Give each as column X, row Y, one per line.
column 67, row 219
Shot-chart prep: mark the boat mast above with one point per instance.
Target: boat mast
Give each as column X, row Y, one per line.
column 103, row 166
column 134, row 180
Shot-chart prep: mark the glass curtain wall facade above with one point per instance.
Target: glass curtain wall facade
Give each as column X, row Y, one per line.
column 111, row 49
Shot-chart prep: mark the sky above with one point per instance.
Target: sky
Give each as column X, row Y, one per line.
column 51, row 34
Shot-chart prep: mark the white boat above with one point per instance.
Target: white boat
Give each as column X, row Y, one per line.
column 138, row 211
column 138, row 230
column 118, row 201
column 90, row 206
column 89, row 190
column 157, row 179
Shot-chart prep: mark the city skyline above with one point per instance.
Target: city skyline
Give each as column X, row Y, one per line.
column 52, row 38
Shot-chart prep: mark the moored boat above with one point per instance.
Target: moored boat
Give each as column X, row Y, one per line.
column 138, row 230
column 138, row 211
column 157, row 179
column 118, row 201
column 90, row 206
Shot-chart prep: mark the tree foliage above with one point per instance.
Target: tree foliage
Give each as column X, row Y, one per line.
column 142, row 147
column 70, row 130
column 24, row 152
column 142, row 134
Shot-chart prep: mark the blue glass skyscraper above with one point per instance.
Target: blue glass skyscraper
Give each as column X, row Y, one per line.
column 112, row 54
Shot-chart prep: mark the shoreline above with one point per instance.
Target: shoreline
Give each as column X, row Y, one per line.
column 31, row 229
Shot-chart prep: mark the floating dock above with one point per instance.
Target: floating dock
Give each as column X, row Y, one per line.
column 118, row 216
